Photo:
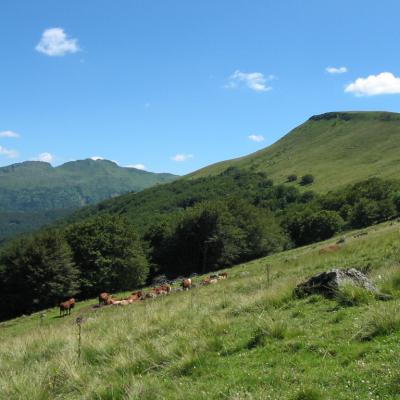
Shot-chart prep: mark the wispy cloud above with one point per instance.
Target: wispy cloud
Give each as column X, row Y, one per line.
column 256, row 138
column 373, row 85
column 45, row 157
column 336, row 70
column 55, row 42
column 9, row 134
column 8, row 152
column 137, row 166
column 253, row 80
column 181, row 157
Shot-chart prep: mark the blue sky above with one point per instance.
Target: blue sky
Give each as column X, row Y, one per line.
column 177, row 85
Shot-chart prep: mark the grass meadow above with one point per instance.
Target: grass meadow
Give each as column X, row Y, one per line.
column 246, row 337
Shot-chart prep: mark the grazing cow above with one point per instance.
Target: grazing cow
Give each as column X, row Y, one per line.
column 329, row 249
column 67, row 306
column 209, row 280
column 223, row 275
column 166, row 287
column 186, row 284
column 205, row 281
column 135, row 296
column 110, row 301
column 103, row 297
column 163, row 289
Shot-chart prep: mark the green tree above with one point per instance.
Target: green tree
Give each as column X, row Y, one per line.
column 292, row 178
column 108, row 253
column 311, row 226
column 211, row 235
column 36, row 272
column 307, row 179
column 206, row 238
column 261, row 232
column 396, row 201
column 368, row 212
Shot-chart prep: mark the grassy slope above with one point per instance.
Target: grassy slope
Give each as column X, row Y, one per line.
column 336, row 150
column 239, row 339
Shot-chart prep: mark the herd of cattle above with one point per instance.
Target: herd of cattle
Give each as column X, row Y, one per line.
column 107, row 299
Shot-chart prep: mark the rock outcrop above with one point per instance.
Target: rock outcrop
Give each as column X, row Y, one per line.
column 329, row 283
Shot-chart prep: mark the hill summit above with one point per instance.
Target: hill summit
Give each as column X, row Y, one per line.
column 338, row 148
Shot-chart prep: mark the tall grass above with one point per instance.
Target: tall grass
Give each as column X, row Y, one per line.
column 238, row 339
column 381, row 321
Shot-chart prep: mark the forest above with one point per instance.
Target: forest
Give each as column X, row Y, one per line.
column 180, row 229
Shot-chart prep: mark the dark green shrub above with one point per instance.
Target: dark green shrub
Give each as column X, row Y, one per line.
column 308, row 226
column 308, row 394
column 307, row 179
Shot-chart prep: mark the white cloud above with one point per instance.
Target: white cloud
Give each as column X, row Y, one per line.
column 55, row 42
column 253, row 80
column 137, row 166
column 95, row 158
column 383, row 83
column 8, row 152
column 336, row 70
column 182, row 157
column 9, row 134
column 256, row 138
column 45, row 157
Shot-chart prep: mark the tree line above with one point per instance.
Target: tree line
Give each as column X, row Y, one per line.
column 195, row 227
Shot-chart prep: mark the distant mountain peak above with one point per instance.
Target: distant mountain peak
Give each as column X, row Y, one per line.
column 35, row 192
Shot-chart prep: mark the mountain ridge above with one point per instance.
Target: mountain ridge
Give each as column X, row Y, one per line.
column 316, row 146
column 33, row 193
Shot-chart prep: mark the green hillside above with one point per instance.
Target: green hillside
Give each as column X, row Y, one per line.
column 246, row 337
column 33, row 193
column 338, row 148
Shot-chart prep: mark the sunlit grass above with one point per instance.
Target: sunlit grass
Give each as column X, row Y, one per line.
column 243, row 338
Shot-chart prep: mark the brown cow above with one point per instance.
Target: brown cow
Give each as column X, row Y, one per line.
column 110, row 301
column 206, row 281
column 67, row 306
column 223, row 275
column 103, row 297
column 135, row 296
column 166, row 287
column 209, row 280
column 186, row 284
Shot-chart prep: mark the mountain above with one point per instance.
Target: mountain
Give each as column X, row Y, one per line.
column 337, row 148
column 34, row 193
